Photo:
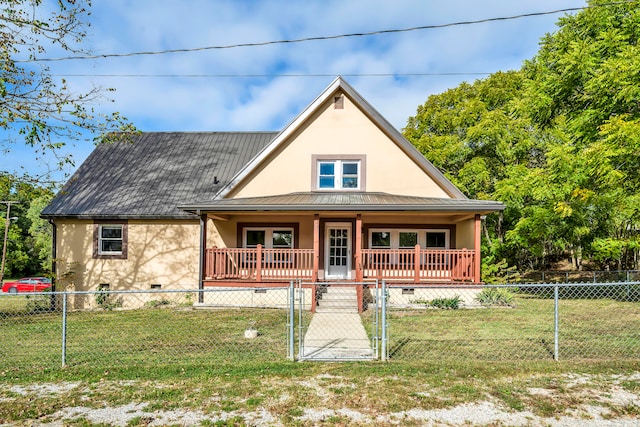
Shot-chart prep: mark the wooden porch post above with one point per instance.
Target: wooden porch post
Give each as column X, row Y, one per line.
column 358, row 251
column 259, row 263
column 203, row 256
column 476, row 247
column 316, row 247
column 416, row 264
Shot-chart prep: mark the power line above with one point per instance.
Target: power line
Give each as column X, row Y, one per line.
column 275, row 75
column 333, row 37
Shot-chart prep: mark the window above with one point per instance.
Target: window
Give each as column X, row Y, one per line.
column 272, row 237
column 341, row 172
column 437, row 239
column 327, row 176
column 380, row 239
column 408, row 239
column 110, row 239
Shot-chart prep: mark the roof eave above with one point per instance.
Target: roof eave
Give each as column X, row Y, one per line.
column 54, row 217
column 483, row 210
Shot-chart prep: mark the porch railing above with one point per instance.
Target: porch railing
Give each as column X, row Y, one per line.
column 258, row 263
column 433, row 264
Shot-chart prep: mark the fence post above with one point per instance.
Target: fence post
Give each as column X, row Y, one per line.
column 64, row 329
column 384, row 320
column 555, row 323
column 376, row 322
column 300, row 325
column 292, row 316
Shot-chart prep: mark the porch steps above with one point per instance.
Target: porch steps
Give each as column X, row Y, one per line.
column 337, row 299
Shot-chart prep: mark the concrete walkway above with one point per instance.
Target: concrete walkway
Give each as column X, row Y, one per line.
column 336, row 336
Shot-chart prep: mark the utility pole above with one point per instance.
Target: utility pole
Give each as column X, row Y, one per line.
column 6, row 235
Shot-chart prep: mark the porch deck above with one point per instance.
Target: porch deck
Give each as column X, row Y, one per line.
column 403, row 265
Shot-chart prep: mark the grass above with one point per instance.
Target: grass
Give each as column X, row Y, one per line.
column 287, row 389
column 176, row 358
column 587, row 329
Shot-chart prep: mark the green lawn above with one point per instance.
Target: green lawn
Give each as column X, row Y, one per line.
column 599, row 328
column 177, row 358
column 589, row 329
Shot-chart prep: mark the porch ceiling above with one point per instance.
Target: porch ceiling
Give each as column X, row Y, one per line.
column 345, row 201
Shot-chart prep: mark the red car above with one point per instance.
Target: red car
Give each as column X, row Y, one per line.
column 27, row 284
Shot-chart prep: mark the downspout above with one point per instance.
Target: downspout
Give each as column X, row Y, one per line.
column 54, row 254
column 203, row 238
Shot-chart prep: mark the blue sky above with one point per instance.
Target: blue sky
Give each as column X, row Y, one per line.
column 160, row 92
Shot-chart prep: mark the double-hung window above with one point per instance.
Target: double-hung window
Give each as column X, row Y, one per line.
column 110, row 239
column 339, row 175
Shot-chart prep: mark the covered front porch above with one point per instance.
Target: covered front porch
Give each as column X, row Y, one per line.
column 342, row 254
column 352, row 237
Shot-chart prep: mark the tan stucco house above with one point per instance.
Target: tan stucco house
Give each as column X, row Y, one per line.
column 338, row 194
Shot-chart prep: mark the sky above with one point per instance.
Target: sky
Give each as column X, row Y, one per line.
column 265, row 87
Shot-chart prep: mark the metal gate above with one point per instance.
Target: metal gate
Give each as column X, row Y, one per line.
column 339, row 321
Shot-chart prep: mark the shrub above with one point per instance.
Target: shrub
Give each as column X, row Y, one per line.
column 442, row 303
column 106, row 300
column 157, row 303
column 496, row 296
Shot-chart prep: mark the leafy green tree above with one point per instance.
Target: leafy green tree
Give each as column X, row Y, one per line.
column 29, row 237
column 35, row 108
column 585, row 80
column 472, row 133
column 557, row 141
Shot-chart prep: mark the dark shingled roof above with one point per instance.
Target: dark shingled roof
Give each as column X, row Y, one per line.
column 346, row 201
column 149, row 177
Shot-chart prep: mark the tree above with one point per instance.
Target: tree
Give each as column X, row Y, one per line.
column 35, row 108
column 474, row 136
column 29, row 238
column 29, row 249
column 557, row 141
column 585, row 79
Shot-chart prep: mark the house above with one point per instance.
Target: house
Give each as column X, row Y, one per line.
column 338, row 195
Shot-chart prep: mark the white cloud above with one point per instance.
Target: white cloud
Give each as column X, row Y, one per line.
column 269, row 103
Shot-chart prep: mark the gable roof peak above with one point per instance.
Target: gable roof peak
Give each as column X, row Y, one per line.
column 339, row 83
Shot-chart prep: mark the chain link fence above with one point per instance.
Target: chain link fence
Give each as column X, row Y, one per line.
column 142, row 328
column 514, row 322
column 576, row 276
column 395, row 322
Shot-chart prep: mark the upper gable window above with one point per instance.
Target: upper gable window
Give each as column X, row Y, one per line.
column 339, row 174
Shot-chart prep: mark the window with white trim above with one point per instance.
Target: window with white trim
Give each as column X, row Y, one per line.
column 339, row 175
column 110, row 239
column 407, row 239
column 269, row 237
